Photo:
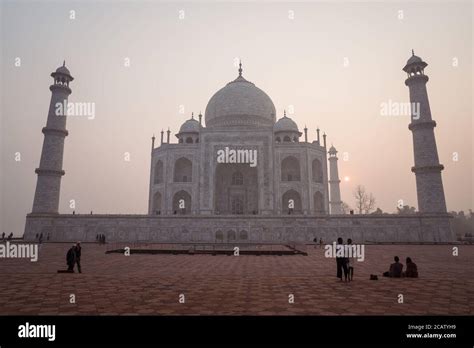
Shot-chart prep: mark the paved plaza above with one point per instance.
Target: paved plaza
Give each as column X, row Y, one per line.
column 237, row 285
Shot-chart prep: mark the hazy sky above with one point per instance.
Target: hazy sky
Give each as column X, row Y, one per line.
column 295, row 52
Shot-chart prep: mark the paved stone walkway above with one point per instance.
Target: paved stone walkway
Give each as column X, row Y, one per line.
column 235, row 285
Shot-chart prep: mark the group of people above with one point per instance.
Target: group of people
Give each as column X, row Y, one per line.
column 39, row 238
column 345, row 264
column 315, row 240
column 100, row 238
column 396, row 269
column 10, row 236
column 73, row 257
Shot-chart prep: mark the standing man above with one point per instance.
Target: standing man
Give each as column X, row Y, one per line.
column 71, row 258
column 78, row 256
column 341, row 261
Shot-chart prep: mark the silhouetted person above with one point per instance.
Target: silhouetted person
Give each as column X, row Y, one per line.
column 71, row 259
column 40, row 240
column 412, row 269
column 3, row 236
column 396, row 269
column 10, row 236
column 341, row 262
column 315, row 241
column 350, row 263
column 47, row 237
column 78, row 251
column 320, row 243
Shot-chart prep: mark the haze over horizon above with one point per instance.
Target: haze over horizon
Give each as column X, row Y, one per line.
column 330, row 65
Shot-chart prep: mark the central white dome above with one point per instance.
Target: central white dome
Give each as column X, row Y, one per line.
column 240, row 103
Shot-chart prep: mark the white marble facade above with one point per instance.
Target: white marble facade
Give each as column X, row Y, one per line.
column 290, row 176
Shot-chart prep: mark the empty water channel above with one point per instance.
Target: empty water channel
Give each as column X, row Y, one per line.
column 207, row 249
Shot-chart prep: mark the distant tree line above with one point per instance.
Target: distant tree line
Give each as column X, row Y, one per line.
column 462, row 223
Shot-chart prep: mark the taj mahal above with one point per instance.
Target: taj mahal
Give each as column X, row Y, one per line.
column 291, row 176
column 244, row 173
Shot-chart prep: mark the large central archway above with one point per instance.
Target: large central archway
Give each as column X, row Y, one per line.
column 236, row 189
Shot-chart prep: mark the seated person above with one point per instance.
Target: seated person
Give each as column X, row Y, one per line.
column 395, row 269
column 412, row 270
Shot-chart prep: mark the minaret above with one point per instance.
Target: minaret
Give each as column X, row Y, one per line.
column 335, row 203
column 427, row 169
column 50, row 169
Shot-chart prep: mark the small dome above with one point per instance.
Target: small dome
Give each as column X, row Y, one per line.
column 414, row 64
column 332, row 149
column 63, row 70
column 285, row 124
column 414, row 59
column 190, row 126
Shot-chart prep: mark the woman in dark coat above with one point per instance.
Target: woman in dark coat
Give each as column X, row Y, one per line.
column 412, row 269
column 71, row 258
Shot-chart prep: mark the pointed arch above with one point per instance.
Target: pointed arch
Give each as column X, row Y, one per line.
column 156, row 203
column 318, row 200
column 158, row 172
column 182, row 202
column 317, row 170
column 183, row 170
column 290, row 169
column 291, row 202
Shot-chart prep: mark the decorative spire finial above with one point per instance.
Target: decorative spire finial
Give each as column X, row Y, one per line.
column 192, row 115
column 64, row 62
column 284, row 113
column 412, row 52
column 240, row 68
